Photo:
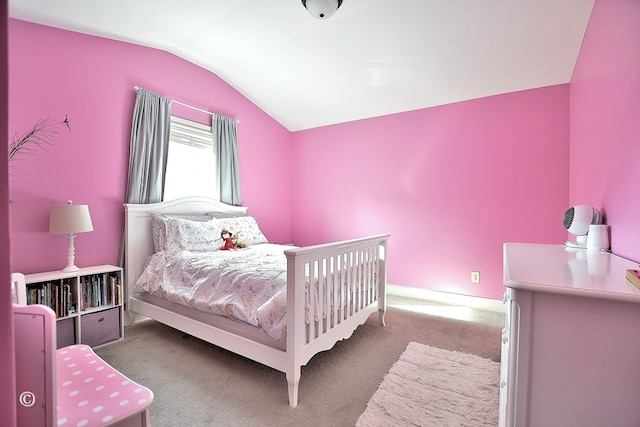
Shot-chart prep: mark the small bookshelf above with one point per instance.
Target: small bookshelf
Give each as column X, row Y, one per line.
column 88, row 303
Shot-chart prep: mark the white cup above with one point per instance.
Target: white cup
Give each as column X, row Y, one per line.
column 598, row 237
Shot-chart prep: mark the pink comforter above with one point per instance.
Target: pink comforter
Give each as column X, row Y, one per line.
column 247, row 284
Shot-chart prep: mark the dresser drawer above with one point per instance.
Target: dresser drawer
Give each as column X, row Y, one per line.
column 100, row 327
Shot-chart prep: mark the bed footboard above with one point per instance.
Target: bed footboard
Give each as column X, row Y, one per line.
column 331, row 290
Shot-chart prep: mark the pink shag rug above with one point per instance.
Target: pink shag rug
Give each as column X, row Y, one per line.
column 429, row 386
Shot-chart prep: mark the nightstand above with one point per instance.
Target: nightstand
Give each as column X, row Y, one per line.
column 88, row 303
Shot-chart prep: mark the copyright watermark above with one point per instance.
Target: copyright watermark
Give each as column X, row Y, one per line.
column 27, row 399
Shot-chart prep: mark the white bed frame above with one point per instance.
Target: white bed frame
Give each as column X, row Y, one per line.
column 362, row 292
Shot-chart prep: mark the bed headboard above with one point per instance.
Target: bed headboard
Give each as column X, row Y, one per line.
column 137, row 228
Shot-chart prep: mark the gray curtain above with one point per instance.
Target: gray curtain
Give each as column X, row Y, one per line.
column 149, row 147
column 147, row 151
column 225, row 142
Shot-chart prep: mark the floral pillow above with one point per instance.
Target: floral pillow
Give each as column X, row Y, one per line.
column 245, row 227
column 158, row 227
column 182, row 234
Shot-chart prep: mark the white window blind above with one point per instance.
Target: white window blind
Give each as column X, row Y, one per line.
column 191, row 161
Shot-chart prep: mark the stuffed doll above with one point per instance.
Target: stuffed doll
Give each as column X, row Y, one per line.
column 228, row 241
column 237, row 243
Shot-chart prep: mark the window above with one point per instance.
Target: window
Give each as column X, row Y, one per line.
column 191, row 161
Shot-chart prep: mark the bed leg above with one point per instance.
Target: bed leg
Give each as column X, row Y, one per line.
column 126, row 316
column 381, row 317
column 129, row 317
column 294, row 381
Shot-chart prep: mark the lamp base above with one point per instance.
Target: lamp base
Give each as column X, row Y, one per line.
column 71, row 269
column 71, row 256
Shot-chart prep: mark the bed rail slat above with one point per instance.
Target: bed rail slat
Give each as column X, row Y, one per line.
column 336, row 281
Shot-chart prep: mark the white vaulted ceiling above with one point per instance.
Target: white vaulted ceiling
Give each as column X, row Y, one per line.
column 372, row 58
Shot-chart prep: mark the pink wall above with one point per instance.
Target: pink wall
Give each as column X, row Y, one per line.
column 7, row 359
column 458, row 178
column 55, row 73
column 605, row 121
column 450, row 184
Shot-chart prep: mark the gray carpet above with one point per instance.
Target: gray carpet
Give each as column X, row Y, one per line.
column 197, row 384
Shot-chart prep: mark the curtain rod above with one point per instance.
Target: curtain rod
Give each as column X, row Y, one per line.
column 192, row 107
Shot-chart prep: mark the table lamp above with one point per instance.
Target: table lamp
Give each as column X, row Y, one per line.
column 70, row 219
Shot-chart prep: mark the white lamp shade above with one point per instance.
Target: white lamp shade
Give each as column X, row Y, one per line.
column 70, row 219
column 322, row 9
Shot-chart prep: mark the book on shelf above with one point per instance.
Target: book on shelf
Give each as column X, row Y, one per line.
column 96, row 291
column 633, row 277
column 45, row 293
column 113, row 284
column 115, row 289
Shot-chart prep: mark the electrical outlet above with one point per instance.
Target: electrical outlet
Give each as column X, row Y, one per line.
column 475, row 277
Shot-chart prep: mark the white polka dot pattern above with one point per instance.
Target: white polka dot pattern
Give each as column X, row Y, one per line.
column 92, row 393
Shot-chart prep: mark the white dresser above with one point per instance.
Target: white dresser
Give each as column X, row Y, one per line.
column 571, row 343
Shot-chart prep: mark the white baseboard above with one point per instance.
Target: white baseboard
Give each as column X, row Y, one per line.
column 447, row 298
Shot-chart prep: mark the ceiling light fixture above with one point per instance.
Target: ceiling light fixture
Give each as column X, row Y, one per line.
column 321, row 9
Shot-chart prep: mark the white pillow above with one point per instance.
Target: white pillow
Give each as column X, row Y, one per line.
column 245, row 227
column 158, row 227
column 183, row 234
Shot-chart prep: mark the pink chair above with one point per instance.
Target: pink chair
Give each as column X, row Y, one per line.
column 70, row 386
